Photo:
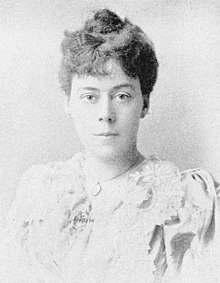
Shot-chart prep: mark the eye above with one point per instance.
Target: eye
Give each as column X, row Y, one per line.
column 89, row 97
column 122, row 96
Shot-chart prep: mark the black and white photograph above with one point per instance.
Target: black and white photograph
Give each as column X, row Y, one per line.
column 109, row 141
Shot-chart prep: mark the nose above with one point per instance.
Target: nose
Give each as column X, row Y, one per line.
column 107, row 111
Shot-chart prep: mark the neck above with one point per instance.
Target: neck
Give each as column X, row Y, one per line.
column 101, row 169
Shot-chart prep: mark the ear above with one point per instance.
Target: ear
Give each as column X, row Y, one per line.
column 144, row 112
column 146, row 105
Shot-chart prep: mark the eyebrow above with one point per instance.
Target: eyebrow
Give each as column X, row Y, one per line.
column 90, row 88
column 115, row 88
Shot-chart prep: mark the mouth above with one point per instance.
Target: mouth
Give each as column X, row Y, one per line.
column 106, row 134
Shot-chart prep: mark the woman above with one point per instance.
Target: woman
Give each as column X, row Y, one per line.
column 109, row 214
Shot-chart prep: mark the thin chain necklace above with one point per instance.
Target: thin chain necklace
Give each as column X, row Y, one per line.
column 97, row 188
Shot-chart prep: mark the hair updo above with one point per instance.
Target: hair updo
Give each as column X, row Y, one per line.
column 104, row 37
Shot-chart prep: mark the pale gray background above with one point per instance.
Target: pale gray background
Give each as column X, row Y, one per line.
column 184, row 125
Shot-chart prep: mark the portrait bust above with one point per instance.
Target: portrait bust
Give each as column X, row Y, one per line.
column 109, row 213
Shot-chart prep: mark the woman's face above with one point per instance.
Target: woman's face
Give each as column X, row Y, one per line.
column 106, row 111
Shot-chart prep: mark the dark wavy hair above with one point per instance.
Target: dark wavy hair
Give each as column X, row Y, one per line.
column 105, row 37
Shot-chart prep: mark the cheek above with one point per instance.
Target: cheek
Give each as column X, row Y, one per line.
column 131, row 121
column 79, row 123
column 78, row 115
column 83, row 124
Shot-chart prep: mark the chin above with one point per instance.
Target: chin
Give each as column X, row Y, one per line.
column 105, row 152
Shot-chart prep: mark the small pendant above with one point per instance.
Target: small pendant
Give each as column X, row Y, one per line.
column 96, row 190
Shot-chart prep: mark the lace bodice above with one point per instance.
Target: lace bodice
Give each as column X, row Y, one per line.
column 137, row 230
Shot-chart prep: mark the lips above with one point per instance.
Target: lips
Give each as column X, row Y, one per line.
column 106, row 134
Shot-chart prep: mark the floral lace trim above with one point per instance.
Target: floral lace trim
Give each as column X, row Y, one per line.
column 157, row 188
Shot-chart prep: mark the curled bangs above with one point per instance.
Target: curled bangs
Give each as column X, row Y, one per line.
column 82, row 58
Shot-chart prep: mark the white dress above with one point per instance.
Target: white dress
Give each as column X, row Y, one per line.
column 152, row 225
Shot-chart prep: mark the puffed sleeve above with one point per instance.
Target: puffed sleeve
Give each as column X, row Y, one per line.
column 29, row 207
column 188, row 238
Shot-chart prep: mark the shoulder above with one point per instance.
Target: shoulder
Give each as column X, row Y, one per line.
column 50, row 176
column 174, row 191
column 165, row 171
column 191, row 181
column 52, row 171
column 42, row 186
column 199, row 184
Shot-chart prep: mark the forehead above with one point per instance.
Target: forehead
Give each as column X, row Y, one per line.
column 115, row 76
